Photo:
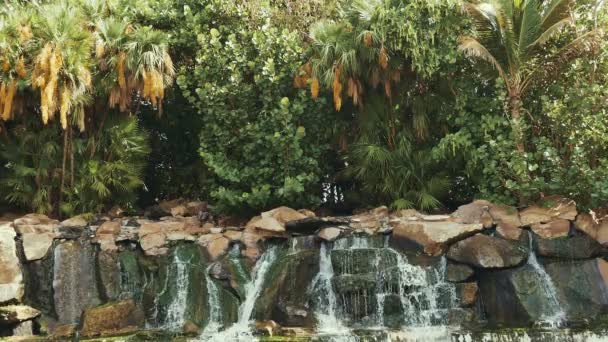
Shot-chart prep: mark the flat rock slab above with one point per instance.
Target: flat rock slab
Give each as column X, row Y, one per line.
column 433, row 236
column 487, row 252
column 11, row 278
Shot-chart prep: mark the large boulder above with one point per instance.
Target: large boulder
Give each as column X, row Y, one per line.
column 476, row 212
column 582, row 287
column 13, row 314
column 286, row 300
column 154, row 235
column 112, row 319
column 552, row 229
column 457, row 273
column 216, row 245
column 550, row 208
column 37, row 233
column 594, row 226
column 513, row 297
column 432, row 237
column 575, row 247
column 275, row 220
column 11, row 278
column 487, row 213
column 487, row 252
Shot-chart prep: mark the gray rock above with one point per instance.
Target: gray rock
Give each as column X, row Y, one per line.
column 487, row 252
column 11, row 278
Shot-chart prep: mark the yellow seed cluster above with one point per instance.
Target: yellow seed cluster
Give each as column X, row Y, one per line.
column 314, row 88
column 302, row 77
column 45, row 77
column 368, row 39
column 7, row 95
column 383, row 58
column 337, row 87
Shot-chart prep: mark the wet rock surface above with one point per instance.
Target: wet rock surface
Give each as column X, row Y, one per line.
column 387, row 268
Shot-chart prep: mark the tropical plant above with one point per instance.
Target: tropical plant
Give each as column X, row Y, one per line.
column 82, row 61
column 511, row 36
column 31, row 176
column 371, row 57
column 262, row 140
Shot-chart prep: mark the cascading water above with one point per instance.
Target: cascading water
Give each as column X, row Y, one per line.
column 178, row 272
column 371, row 277
column 328, row 322
column 553, row 313
column 240, row 331
column 215, row 308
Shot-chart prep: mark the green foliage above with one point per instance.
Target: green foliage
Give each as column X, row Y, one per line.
column 31, row 176
column 262, row 140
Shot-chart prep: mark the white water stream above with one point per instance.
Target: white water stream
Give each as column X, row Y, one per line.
column 554, row 315
column 241, row 331
column 174, row 319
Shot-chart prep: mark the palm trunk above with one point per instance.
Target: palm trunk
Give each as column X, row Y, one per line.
column 515, row 107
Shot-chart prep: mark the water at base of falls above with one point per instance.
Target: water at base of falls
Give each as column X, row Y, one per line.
column 241, row 331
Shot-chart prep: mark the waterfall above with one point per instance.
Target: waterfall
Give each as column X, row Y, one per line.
column 417, row 296
column 326, row 311
column 556, row 316
column 174, row 319
column 240, row 331
column 215, row 308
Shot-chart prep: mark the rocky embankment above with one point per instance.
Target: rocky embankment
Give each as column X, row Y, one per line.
column 111, row 275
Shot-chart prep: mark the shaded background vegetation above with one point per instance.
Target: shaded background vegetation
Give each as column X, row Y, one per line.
column 341, row 104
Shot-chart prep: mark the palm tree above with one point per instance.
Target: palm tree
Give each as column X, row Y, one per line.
column 511, row 35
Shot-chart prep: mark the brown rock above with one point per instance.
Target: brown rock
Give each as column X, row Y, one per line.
column 468, row 294
column 506, row 215
column 154, row 244
column 552, row 207
column 178, row 236
column 433, row 237
column 218, row 247
column 266, row 223
column 594, row 226
column 553, row 229
column 166, row 226
column 64, row 332
column 329, row 234
column 509, row 232
column 179, row 210
column 190, row 329
column 233, row 235
column 76, row 221
column 487, row 252
column 112, row 319
column 283, row 215
column 35, row 223
column 109, row 227
column 307, row 213
column 472, row 212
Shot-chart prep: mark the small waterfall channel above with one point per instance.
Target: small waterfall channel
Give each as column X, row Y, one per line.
column 553, row 314
column 364, row 284
column 239, row 331
column 178, row 274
